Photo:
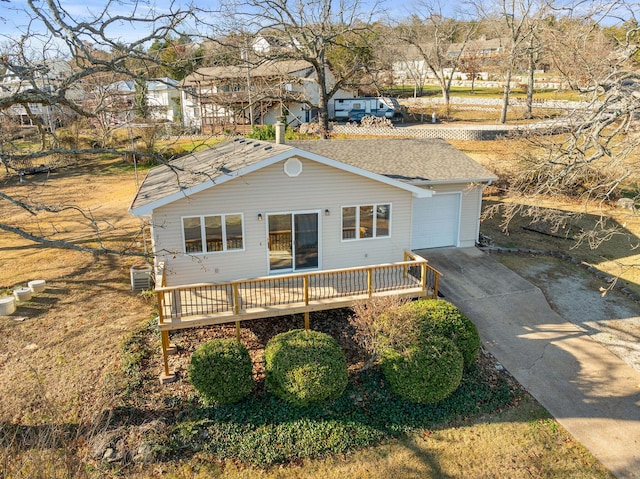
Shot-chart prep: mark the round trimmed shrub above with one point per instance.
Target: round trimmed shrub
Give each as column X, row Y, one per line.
column 439, row 317
column 424, row 373
column 305, row 367
column 221, row 371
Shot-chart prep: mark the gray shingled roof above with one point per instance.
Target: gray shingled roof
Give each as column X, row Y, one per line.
column 280, row 68
column 202, row 166
column 411, row 161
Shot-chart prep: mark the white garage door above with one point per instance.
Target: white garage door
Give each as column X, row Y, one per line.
column 436, row 221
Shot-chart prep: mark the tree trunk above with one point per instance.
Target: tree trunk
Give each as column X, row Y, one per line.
column 505, row 98
column 323, row 104
column 446, row 98
column 530, row 84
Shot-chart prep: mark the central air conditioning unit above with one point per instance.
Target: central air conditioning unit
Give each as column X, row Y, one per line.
column 141, row 277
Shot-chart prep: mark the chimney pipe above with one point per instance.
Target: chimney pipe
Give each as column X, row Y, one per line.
column 280, row 133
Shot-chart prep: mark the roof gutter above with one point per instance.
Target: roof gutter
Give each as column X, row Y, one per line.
column 488, row 181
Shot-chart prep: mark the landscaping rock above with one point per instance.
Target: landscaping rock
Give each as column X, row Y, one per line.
column 626, row 203
column 144, row 454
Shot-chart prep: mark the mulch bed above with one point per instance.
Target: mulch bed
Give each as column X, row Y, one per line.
column 254, row 335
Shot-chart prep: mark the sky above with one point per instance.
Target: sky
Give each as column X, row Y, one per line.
column 14, row 22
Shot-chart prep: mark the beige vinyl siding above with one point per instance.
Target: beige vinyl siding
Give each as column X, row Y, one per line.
column 471, row 197
column 270, row 190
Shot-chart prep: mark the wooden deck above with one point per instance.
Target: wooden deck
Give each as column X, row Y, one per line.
column 206, row 304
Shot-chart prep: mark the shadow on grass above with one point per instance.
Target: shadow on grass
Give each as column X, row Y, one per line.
column 541, row 235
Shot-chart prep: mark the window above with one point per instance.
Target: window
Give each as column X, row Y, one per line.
column 366, row 221
column 208, row 234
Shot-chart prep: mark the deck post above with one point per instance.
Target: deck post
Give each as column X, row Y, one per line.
column 405, row 268
column 236, row 299
column 435, row 285
column 423, row 279
column 167, row 376
column 238, row 330
column 160, row 300
column 305, row 282
column 369, row 282
column 306, row 301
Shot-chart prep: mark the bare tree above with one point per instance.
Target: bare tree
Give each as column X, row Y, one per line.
column 533, row 53
column 471, row 64
column 597, row 161
column 518, row 21
column 312, row 31
column 441, row 42
column 53, row 60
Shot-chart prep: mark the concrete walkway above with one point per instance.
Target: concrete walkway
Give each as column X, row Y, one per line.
column 590, row 391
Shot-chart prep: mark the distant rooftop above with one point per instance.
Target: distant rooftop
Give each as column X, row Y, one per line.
column 266, row 69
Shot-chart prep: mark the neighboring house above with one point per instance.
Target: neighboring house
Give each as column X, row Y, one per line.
column 163, row 99
column 246, row 208
column 112, row 104
column 219, row 98
column 48, row 77
column 481, row 47
column 115, row 104
column 262, row 44
column 411, row 67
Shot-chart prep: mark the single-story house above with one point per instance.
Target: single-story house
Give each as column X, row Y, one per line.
column 248, row 208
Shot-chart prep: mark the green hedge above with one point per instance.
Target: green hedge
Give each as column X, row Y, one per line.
column 221, row 371
column 425, row 373
column 438, row 317
column 305, row 367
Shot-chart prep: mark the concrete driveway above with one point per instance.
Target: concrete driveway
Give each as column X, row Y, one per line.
column 589, row 390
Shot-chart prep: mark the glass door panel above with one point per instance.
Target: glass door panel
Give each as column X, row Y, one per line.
column 280, row 246
column 306, row 240
column 293, row 241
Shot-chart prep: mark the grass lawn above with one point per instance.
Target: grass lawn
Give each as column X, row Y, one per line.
column 84, row 350
column 432, row 90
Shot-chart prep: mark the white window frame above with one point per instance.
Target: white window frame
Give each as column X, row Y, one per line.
column 203, row 234
column 375, row 221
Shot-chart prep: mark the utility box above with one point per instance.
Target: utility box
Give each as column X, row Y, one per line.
column 140, row 277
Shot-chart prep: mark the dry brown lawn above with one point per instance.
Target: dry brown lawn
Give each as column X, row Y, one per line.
column 59, row 347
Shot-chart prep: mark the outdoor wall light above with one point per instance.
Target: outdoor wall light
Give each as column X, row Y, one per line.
column 327, row 212
column 259, row 216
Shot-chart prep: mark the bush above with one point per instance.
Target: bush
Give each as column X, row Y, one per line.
column 438, row 317
column 425, row 373
column 266, row 132
column 305, row 367
column 381, row 322
column 221, row 371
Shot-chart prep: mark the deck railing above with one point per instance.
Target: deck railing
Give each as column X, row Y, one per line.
column 272, row 295
column 204, row 304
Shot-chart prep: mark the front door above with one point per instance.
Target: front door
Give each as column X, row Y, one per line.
column 293, row 241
